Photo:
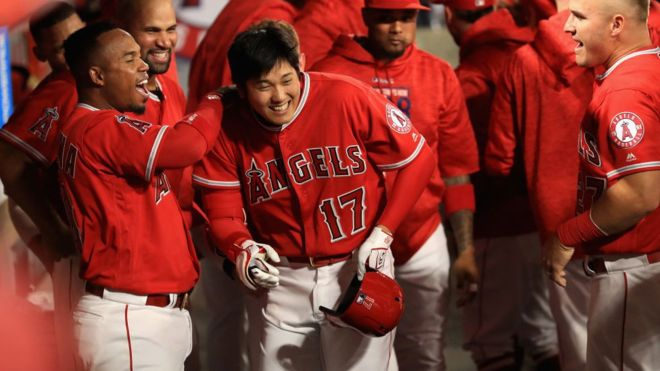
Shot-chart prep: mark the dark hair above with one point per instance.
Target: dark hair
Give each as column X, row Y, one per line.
column 81, row 45
column 472, row 16
column 48, row 17
column 257, row 50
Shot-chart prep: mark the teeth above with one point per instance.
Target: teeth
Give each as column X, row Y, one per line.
column 280, row 107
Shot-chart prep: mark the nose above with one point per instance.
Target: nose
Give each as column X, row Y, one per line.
column 395, row 27
column 569, row 26
column 278, row 95
column 143, row 67
column 164, row 40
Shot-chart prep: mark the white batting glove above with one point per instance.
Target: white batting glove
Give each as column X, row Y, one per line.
column 375, row 253
column 253, row 268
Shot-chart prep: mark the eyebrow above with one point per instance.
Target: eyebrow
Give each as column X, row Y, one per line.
column 288, row 74
column 578, row 13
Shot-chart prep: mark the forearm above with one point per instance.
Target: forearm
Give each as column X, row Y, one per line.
column 459, row 205
column 408, row 186
column 226, row 220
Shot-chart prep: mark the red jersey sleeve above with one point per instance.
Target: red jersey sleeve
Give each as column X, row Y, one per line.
column 500, row 147
column 390, row 139
column 34, row 125
column 124, row 145
column 457, row 147
column 218, row 169
column 633, row 136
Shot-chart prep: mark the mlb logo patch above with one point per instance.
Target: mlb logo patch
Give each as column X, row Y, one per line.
column 626, row 130
column 397, row 120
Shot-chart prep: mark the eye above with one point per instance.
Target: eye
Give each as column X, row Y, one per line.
column 287, row 82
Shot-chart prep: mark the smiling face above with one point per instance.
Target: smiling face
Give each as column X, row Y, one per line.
column 390, row 31
column 123, row 74
column 275, row 95
column 153, row 25
column 589, row 25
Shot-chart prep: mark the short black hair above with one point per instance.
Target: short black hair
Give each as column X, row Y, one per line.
column 81, row 45
column 49, row 16
column 258, row 49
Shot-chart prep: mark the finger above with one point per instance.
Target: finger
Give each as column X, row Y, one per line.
column 272, row 254
column 361, row 270
column 270, row 269
column 264, row 279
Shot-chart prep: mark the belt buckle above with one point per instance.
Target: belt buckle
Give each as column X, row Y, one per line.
column 184, row 301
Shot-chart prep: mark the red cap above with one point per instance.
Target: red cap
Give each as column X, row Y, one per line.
column 543, row 8
column 466, row 4
column 394, row 4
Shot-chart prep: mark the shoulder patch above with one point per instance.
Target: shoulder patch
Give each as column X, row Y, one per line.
column 141, row 126
column 626, row 130
column 42, row 126
column 397, row 120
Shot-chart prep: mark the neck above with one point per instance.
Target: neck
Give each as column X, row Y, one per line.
column 151, row 83
column 93, row 99
column 643, row 42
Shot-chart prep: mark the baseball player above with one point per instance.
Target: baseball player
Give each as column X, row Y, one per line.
column 506, row 243
column 28, row 149
column 389, row 61
column 137, row 254
column 618, row 185
column 524, row 117
column 300, row 160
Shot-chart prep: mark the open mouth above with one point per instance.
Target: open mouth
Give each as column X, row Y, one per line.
column 159, row 56
column 579, row 44
column 280, row 108
column 141, row 88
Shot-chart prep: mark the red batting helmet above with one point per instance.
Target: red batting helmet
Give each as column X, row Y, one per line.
column 373, row 306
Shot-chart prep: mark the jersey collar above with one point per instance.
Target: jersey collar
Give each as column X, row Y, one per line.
column 625, row 58
column 88, row 107
column 303, row 99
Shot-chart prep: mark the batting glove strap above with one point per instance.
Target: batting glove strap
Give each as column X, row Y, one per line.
column 375, row 253
column 253, row 268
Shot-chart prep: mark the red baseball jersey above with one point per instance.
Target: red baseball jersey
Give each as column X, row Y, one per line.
column 167, row 108
column 537, row 109
column 441, row 117
column 34, row 126
column 620, row 135
column 313, row 187
column 128, row 222
column 209, row 68
column 502, row 205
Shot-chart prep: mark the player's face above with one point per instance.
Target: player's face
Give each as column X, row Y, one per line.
column 588, row 24
column 50, row 48
column 390, row 31
column 275, row 95
column 124, row 72
column 154, row 29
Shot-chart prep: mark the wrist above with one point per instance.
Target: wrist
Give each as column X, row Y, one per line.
column 385, row 230
column 578, row 230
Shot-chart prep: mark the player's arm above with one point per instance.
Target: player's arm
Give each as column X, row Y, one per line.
column 20, row 176
column 192, row 137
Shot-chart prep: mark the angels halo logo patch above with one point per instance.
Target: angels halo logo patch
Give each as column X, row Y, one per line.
column 397, row 120
column 626, row 129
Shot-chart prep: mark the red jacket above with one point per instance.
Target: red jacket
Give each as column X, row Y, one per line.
column 537, row 111
column 502, row 206
column 320, row 22
column 209, row 68
column 441, row 117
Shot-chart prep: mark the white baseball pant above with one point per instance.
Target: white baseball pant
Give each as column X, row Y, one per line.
column 115, row 336
column 287, row 331
column 570, row 307
column 512, row 302
column 624, row 320
column 419, row 341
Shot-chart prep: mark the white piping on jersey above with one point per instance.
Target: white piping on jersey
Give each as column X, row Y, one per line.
column 154, row 150
column 87, row 106
column 301, row 104
column 153, row 96
column 10, row 136
column 406, row 161
column 629, row 56
column 624, row 169
column 215, row 183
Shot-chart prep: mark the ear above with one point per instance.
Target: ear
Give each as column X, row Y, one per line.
column 302, row 59
column 617, row 24
column 96, row 75
column 37, row 53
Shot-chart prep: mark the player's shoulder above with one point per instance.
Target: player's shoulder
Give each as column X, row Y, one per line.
column 334, row 84
column 429, row 59
column 640, row 69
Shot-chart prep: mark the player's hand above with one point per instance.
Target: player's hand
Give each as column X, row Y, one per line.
column 375, row 253
column 253, row 268
column 555, row 256
column 467, row 276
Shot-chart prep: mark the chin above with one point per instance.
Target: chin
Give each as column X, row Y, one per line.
column 137, row 108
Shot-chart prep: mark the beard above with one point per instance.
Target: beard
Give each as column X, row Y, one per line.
column 139, row 109
column 158, row 68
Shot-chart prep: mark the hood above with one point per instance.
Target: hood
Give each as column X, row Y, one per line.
column 556, row 47
column 495, row 27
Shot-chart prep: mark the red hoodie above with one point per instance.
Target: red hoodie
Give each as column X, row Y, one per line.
column 320, row 22
column 502, row 206
column 537, row 111
column 209, row 68
column 427, row 90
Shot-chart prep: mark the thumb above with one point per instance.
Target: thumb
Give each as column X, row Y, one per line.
column 271, row 254
column 362, row 269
